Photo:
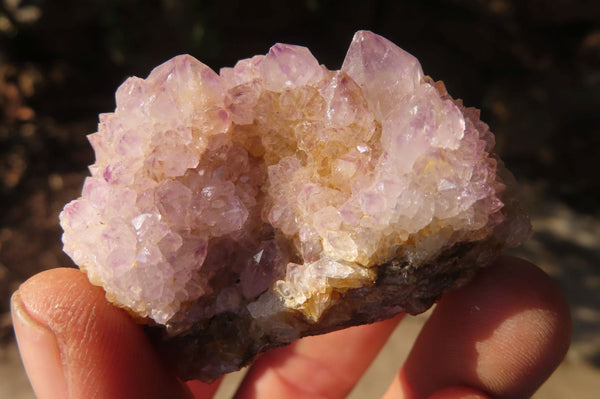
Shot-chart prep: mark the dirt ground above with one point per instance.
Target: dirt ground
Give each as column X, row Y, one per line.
column 532, row 66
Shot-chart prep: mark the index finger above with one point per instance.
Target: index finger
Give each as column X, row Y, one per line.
column 324, row 366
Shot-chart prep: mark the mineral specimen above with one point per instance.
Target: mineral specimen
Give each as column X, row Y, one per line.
column 239, row 211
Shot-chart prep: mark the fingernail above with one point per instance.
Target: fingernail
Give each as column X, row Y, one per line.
column 40, row 353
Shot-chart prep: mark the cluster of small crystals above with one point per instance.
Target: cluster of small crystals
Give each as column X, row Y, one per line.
column 353, row 168
column 166, row 180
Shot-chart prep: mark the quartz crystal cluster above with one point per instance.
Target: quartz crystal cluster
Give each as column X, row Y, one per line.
column 238, row 211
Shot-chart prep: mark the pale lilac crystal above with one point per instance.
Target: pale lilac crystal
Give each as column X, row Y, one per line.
column 280, row 188
column 287, row 66
column 384, row 71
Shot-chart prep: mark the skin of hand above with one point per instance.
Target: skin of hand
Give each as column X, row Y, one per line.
column 501, row 336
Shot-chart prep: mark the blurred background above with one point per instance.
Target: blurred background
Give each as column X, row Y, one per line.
column 532, row 66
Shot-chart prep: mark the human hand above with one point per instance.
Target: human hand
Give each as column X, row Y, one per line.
column 501, row 336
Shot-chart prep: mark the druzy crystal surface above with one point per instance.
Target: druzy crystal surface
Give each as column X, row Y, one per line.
column 238, row 211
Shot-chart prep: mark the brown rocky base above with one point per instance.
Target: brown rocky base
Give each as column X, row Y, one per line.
column 230, row 341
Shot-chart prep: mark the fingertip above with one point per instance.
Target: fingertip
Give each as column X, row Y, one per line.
column 534, row 316
column 36, row 311
column 40, row 353
column 533, row 334
column 503, row 334
column 48, row 296
column 104, row 353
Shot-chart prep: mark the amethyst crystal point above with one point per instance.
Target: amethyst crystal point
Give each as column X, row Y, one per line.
column 237, row 212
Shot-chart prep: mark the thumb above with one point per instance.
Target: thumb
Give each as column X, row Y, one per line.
column 74, row 344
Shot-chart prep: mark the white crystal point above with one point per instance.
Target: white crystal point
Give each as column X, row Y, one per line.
column 384, row 71
column 185, row 85
column 287, row 66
